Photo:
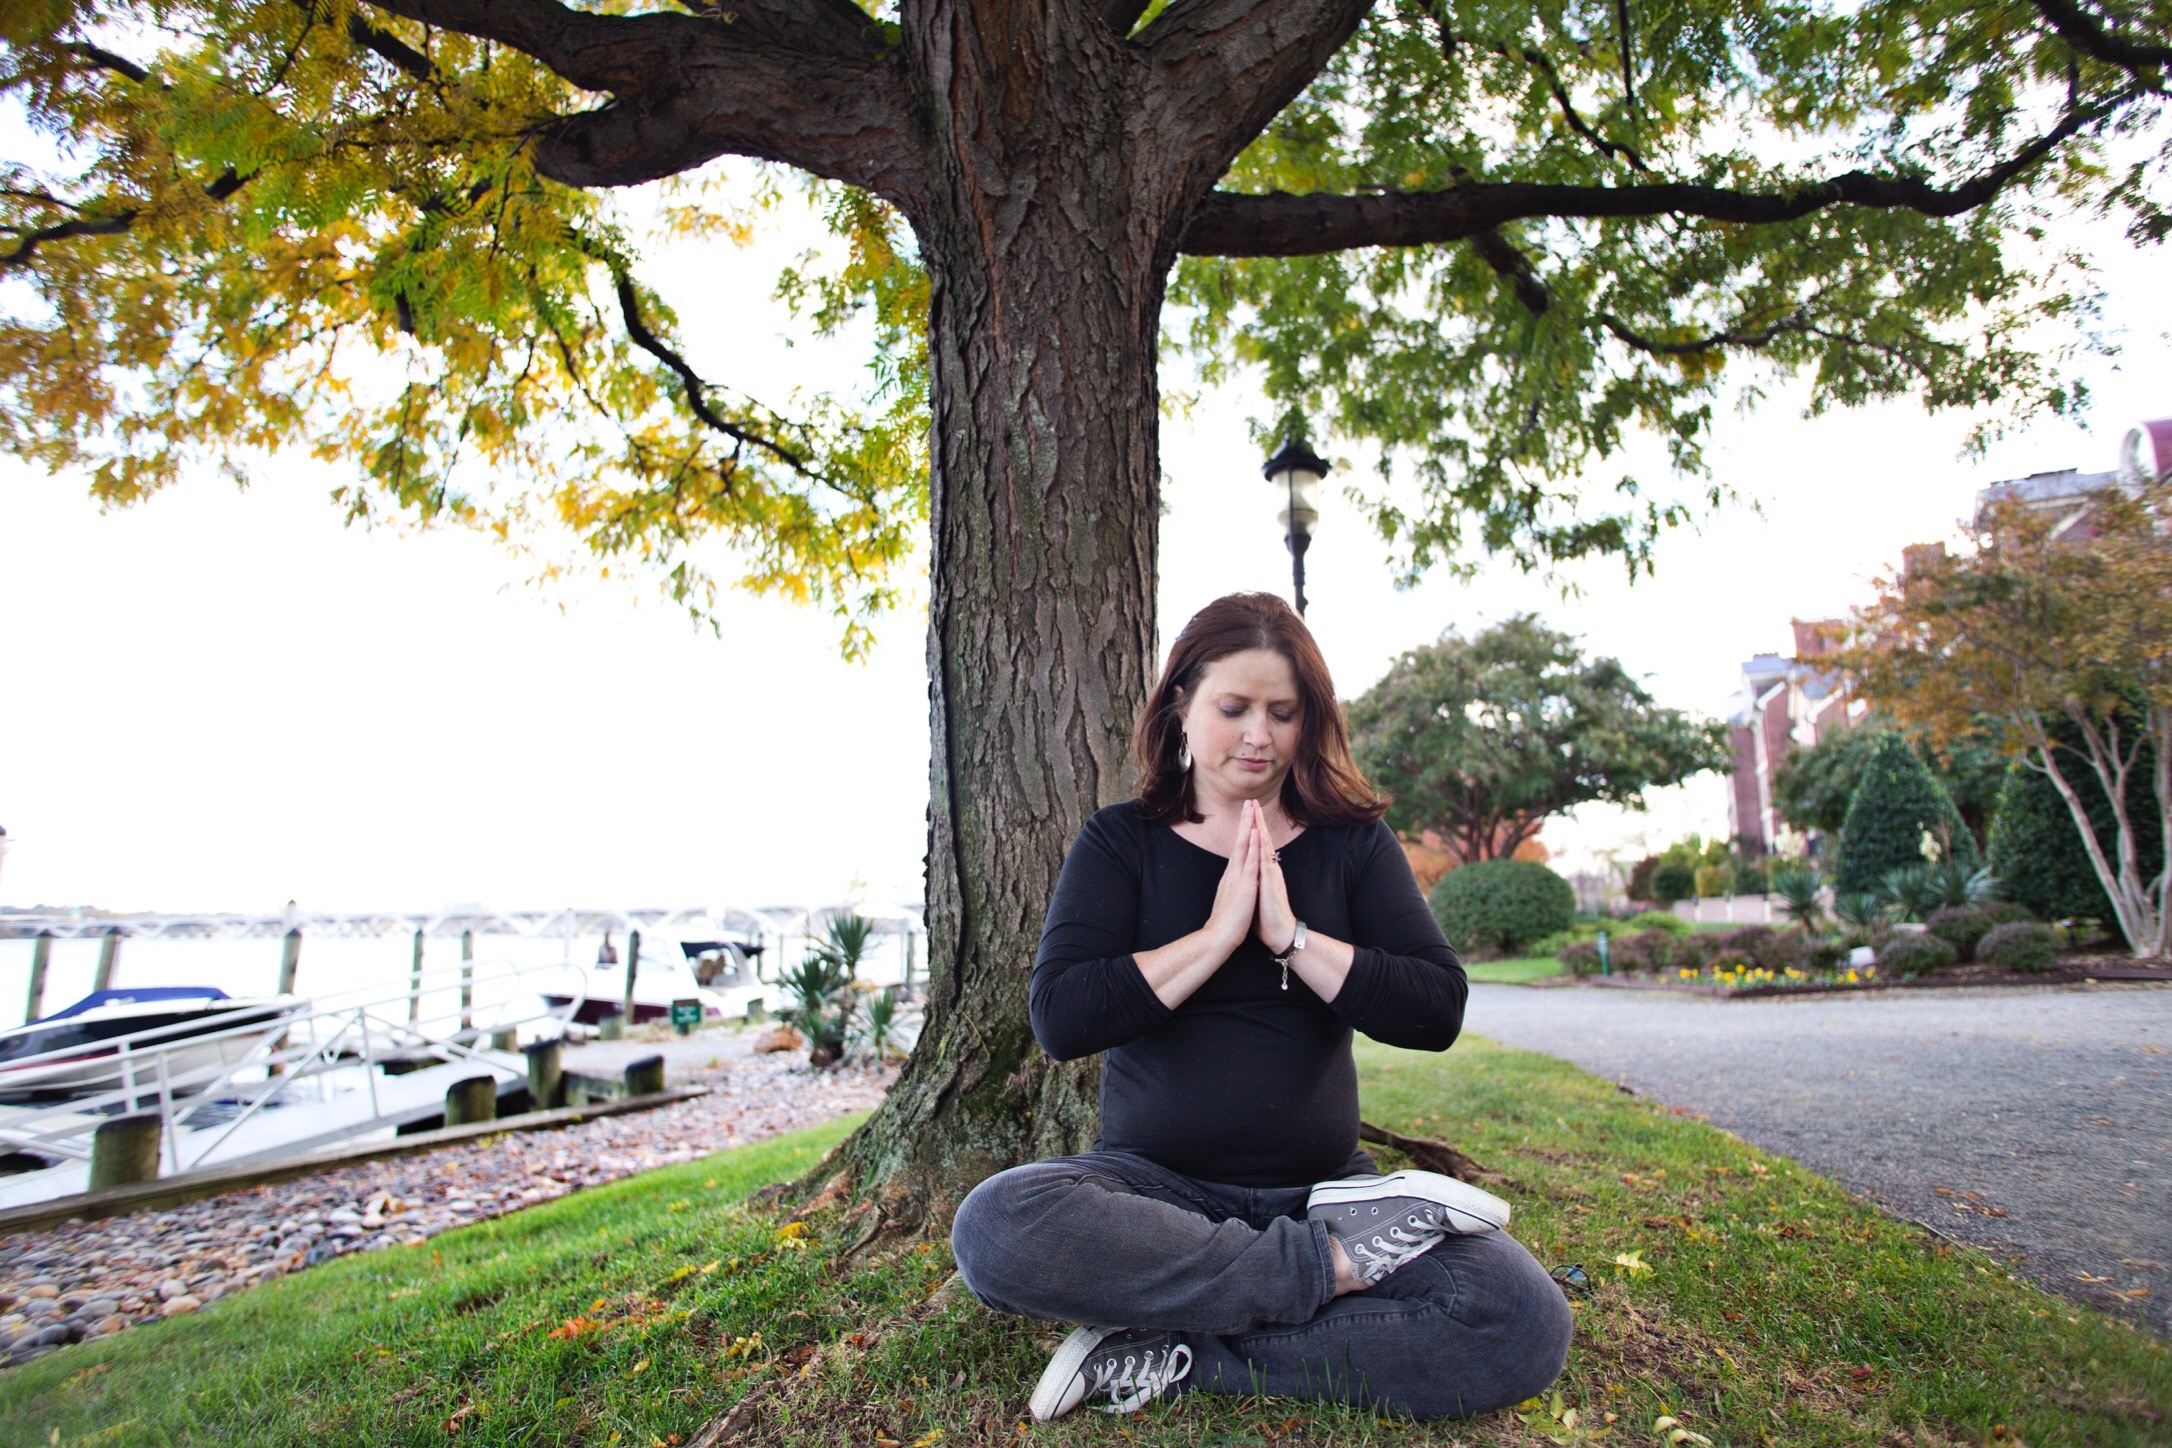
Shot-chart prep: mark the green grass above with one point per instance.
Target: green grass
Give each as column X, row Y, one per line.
column 1513, row 972
column 1777, row 1309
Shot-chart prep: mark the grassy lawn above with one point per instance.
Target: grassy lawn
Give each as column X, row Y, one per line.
column 1513, row 972
column 1758, row 1304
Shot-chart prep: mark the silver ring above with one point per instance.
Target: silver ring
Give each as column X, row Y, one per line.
column 1275, row 856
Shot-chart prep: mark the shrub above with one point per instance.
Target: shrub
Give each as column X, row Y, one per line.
column 1673, row 880
column 1640, row 879
column 1505, row 904
column 1909, row 955
column 1896, row 801
column 2005, row 912
column 1824, row 954
column 1665, row 920
column 2021, row 945
column 1761, row 945
column 1714, row 881
column 1580, row 957
column 1752, row 878
column 1961, row 926
column 2036, row 850
column 1949, row 882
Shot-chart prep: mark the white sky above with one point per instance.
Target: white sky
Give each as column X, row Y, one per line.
column 223, row 700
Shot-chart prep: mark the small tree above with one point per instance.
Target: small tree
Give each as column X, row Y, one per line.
column 1482, row 740
column 2052, row 616
column 2037, row 853
column 1897, row 807
column 1812, row 787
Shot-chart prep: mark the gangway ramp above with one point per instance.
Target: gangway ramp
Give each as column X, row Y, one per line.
column 309, row 1078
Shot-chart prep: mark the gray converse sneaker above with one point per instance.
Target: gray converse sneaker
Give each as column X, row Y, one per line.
column 1133, row 1365
column 1384, row 1221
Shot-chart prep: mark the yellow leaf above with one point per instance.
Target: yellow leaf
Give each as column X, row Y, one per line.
column 929, row 1438
column 1633, row 1263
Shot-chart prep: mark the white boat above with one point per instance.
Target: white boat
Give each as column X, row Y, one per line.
column 75, row 1051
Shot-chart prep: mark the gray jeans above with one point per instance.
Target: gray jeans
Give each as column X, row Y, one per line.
column 1114, row 1240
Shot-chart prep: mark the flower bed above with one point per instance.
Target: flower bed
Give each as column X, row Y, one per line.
column 1753, row 982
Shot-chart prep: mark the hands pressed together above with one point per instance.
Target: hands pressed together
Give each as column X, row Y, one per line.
column 1249, row 900
column 1252, row 898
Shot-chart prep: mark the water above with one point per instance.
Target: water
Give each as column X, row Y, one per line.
column 331, row 964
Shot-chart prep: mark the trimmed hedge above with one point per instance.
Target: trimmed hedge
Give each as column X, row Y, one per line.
column 2022, row 945
column 1908, row 955
column 1961, row 926
column 1896, row 800
column 1502, row 904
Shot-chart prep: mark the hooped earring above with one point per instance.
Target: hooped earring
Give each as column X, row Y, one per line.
column 1184, row 753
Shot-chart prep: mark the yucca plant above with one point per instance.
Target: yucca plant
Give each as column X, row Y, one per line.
column 1911, row 890
column 821, row 996
column 881, row 1020
column 1798, row 886
column 1861, row 913
column 1952, row 883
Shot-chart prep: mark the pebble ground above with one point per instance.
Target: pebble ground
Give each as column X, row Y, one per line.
column 2035, row 1122
column 84, row 1280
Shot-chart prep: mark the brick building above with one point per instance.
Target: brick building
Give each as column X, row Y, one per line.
column 1783, row 704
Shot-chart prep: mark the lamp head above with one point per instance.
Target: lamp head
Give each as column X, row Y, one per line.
column 1295, row 472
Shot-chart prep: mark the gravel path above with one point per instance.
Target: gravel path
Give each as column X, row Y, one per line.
column 88, row 1279
column 2036, row 1123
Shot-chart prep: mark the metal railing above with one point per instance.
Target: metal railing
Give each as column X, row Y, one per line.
column 267, row 1061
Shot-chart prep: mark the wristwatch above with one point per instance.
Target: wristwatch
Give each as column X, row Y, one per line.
column 1297, row 943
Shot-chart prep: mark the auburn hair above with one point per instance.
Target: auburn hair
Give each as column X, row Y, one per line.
column 1324, row 786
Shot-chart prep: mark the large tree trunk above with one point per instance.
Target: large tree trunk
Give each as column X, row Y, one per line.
column 1047, row 290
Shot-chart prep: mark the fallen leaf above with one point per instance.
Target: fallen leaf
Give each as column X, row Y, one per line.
column 2085, row 1277
column 2135, row 1294
column 1632, row 1263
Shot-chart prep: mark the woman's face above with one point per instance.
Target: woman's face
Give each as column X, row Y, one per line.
column 1242, row 724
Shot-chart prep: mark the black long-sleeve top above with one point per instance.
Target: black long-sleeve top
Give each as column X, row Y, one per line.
column 1244, row 1082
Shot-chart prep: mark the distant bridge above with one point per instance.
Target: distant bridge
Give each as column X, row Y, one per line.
column 714, row 922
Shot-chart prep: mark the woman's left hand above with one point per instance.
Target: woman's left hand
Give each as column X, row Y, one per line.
column 1275, row 923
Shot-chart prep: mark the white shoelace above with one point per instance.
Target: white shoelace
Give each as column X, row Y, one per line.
column 1378, row 1255
column 1138, row 1380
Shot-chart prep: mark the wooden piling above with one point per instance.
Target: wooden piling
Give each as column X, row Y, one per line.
column 473, row 1098
column 546, row 1078
column 612, row 1027
column 467, row 980
column 125, row 1150
column 633, row 963
column 290, row 960
column 109, row 959
column 414, row 983
column 645, row 1077
column 41, row 960
column 505, row 1040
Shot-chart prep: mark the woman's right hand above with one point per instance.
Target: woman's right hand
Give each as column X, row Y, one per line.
column 1236, row 898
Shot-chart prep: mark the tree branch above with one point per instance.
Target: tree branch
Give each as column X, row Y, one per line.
column 105, row 59
column 2086, row 33
column 1279, row 224
column 1513, row 267
column 1224, row 68
column 629, row 306
column 803, row 82
column 1628, row 66
column 120, row 221
column 386, row 45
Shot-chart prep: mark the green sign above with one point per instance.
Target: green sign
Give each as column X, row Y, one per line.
column 685, row 1015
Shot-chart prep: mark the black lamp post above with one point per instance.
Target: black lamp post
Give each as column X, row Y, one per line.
column 1296, row 471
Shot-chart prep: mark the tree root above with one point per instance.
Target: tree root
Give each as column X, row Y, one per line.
column 1427, row 1154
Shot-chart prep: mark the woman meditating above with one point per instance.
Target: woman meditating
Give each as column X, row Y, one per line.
column 1218, row 939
